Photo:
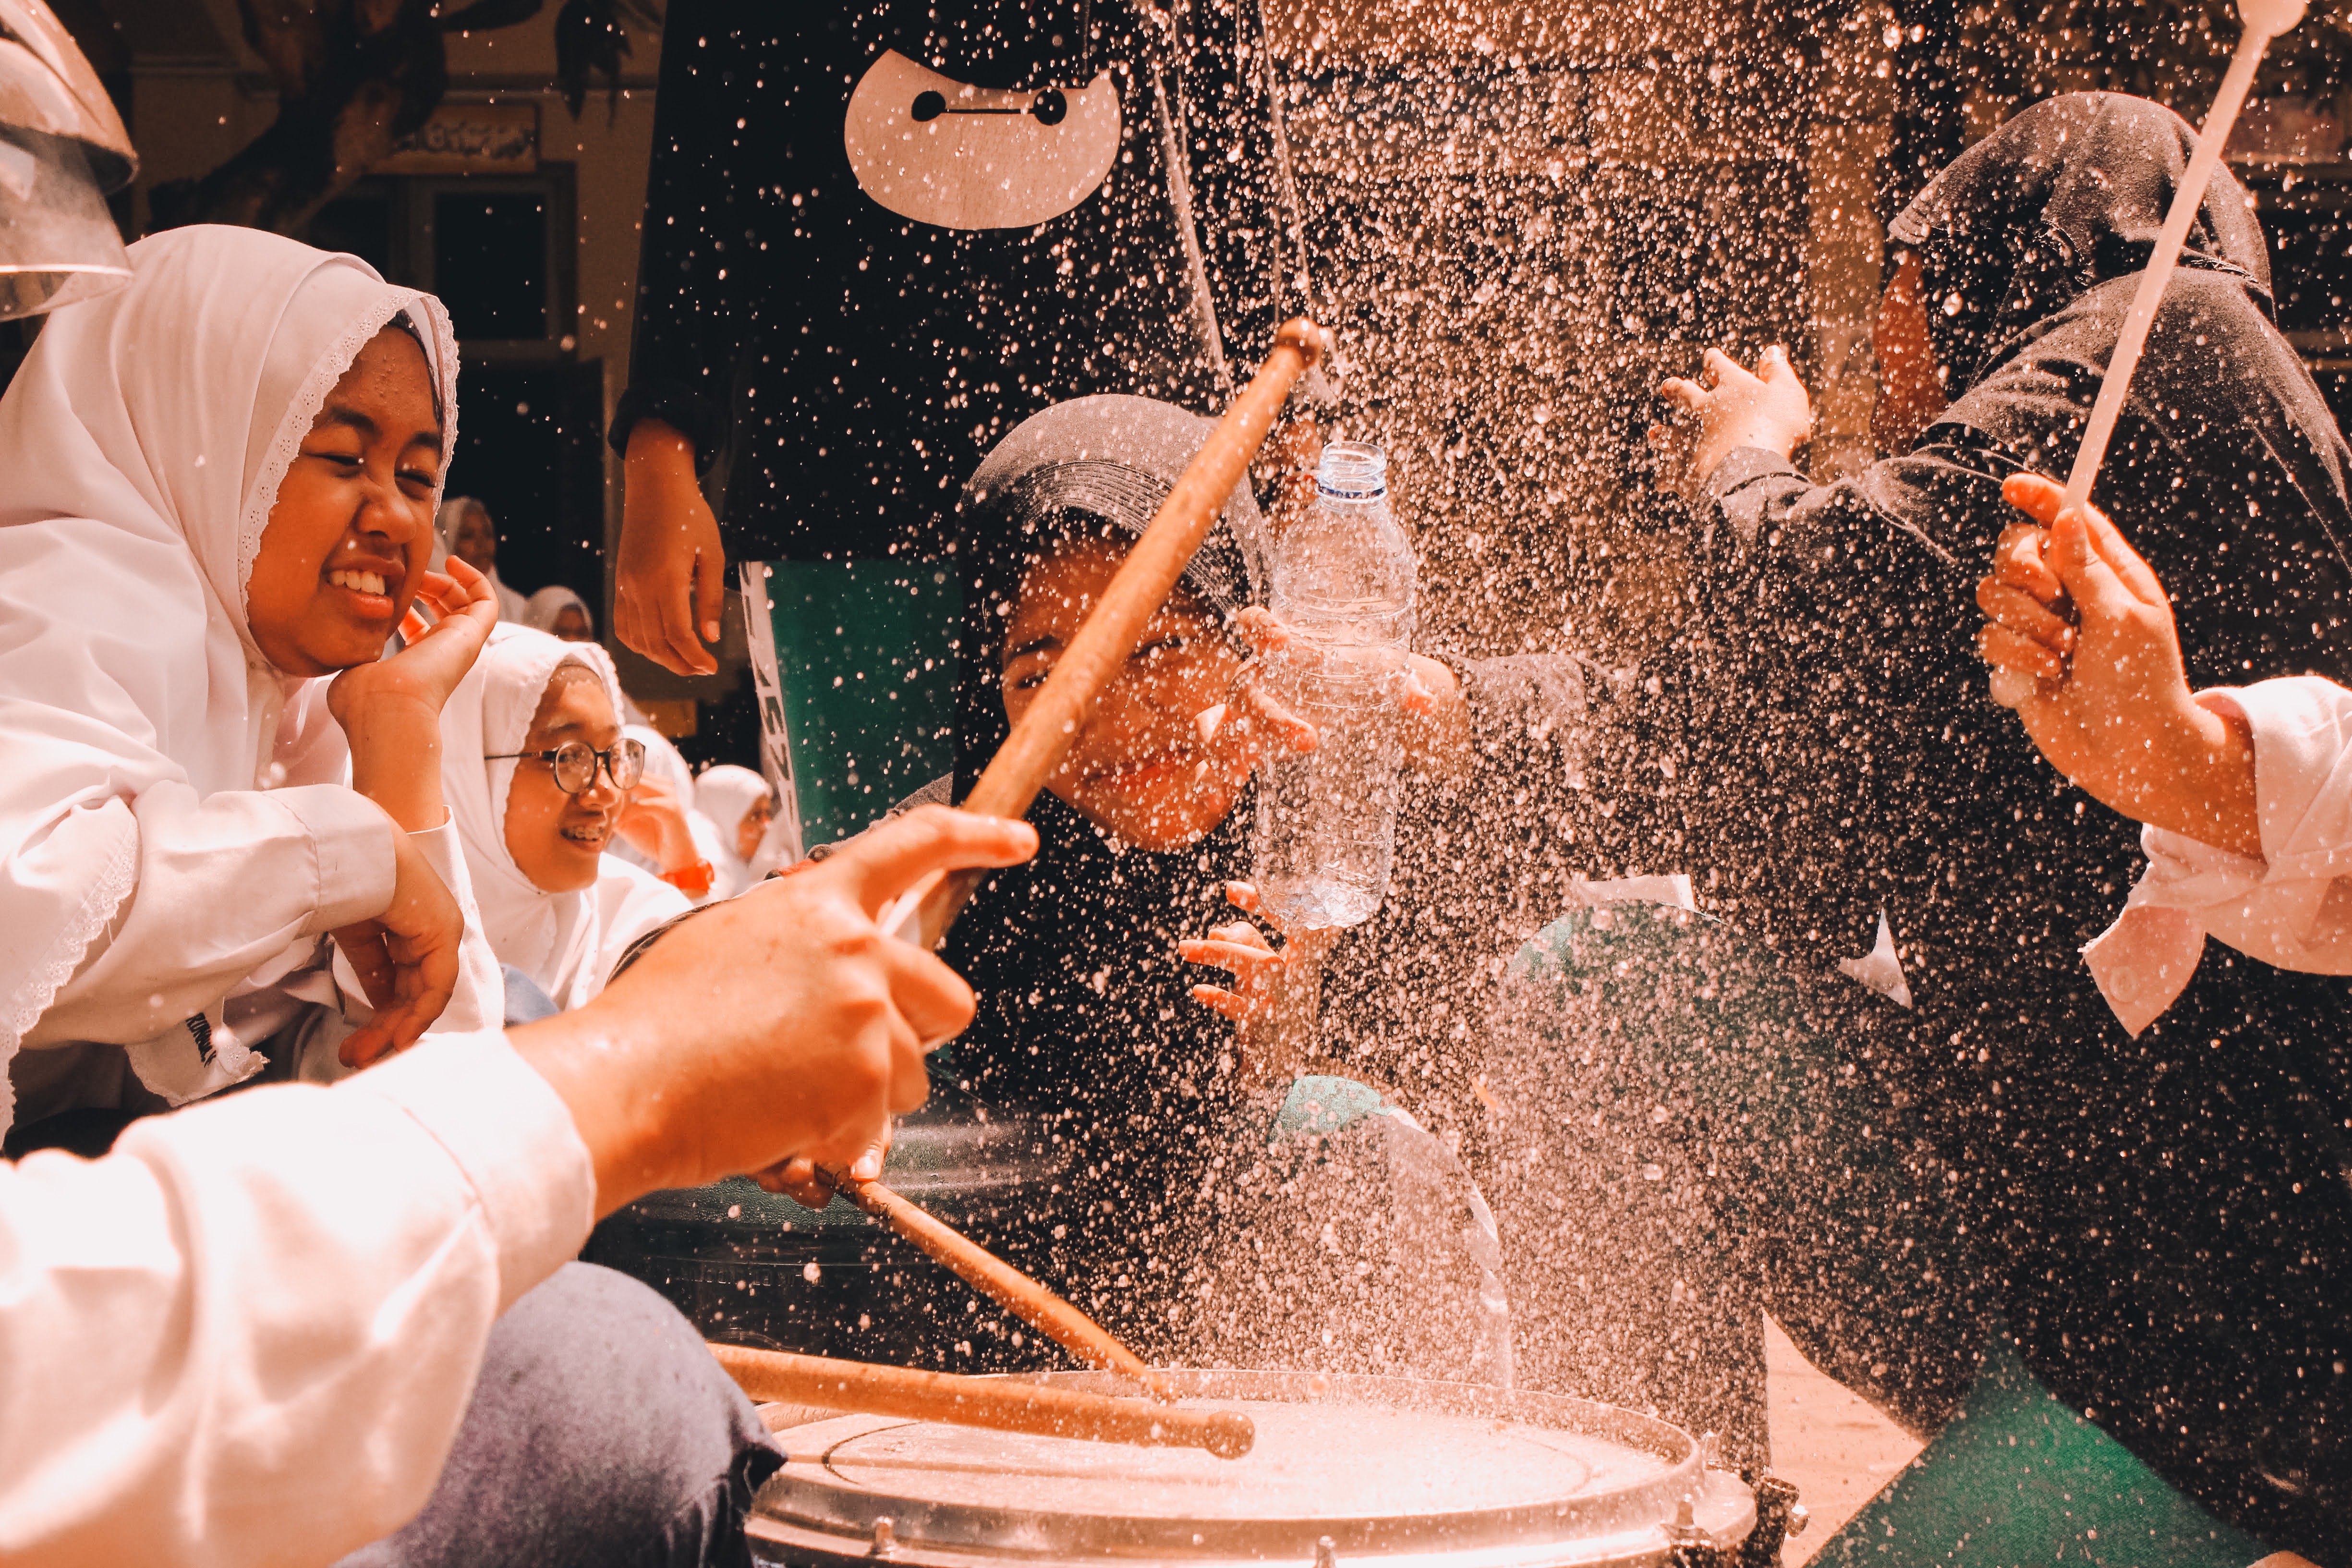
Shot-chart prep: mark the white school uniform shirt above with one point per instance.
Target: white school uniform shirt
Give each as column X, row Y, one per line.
column 2290, row 907
column 566, row 942
column 146, row 874
column 278, row 1382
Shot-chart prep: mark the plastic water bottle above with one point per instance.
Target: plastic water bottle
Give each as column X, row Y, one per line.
column 1343, row 582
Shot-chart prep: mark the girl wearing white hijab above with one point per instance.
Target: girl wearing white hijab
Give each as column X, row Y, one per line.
column 465, row 528
column 536, row 816
column 740, row 803
column 219, row 489
column 544, row 611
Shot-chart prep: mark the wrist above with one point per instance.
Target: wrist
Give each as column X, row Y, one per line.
column 2205, row 787
column 595, row 1070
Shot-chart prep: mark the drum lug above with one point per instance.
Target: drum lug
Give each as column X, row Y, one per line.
column 1693, row 1543
column 1779, row 1515
column 1326, row 1554
column 886, row 1543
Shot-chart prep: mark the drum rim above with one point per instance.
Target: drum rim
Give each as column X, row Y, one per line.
column 805, row 1507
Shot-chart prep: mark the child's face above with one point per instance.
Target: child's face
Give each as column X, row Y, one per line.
column 477, row 543
column 353, row 526
column 1136, row 768
column 559, row 840
column 753, row 828
column 571, row 625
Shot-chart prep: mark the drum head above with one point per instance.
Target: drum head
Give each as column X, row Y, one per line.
column 1375, row 1468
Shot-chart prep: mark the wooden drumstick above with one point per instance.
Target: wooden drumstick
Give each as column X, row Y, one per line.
column 1025, row 1298
column 1001, row 1404
column 1103, row 644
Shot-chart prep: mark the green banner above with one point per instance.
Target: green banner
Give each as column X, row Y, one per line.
column 864, row 678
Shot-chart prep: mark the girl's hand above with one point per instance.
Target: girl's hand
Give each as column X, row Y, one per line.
column 1766, row 408
column 1253, row 726
column 391, row 710
column 1276, row 994
column 406, row 958
column 654, row 823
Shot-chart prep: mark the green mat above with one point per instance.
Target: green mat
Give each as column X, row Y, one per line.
column 865, row 671
column 2019, row 1478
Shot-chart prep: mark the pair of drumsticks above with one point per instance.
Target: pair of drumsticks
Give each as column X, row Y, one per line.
column 1007, row 788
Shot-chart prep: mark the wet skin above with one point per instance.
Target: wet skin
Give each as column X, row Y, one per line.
column 1139, row 769
column 344, row 549
column 559, row 840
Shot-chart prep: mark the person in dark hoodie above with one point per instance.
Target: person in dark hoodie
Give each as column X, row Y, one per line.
column 2169, row 1213
column 876, row 239
column 1166, row 1213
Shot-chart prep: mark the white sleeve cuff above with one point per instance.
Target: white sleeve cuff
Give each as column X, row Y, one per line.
column 513, row 1137
column 353, row 839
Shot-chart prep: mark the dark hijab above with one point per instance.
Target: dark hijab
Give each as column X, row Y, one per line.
column 1085, row 1028
column 2170, row 1211
column 2064, row 197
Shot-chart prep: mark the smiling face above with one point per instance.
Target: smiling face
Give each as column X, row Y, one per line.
column 1135, row 769
column 558, row 840
column 352, row 525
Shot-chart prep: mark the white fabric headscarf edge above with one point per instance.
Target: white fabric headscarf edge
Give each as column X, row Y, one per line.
column 551, row 937
column 88, row 481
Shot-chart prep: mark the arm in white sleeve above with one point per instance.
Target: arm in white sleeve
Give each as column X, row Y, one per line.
column 225, row 884
column 248, row 1335
column 2292, row 908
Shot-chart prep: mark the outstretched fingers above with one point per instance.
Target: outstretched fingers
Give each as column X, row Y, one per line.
column 887, row 860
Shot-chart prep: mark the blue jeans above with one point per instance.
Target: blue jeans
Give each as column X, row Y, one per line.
column 601, row 1432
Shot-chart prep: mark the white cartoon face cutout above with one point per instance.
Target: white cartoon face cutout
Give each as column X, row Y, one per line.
column 941, row 151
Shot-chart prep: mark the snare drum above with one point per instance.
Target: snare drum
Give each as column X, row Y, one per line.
column 1345, row 1470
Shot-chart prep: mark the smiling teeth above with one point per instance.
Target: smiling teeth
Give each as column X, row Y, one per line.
column 357, row 582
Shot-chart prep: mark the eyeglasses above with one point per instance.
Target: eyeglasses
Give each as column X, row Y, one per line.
column 576, row 762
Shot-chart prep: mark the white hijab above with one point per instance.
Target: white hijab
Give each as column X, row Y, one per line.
column 724, row 794
column 142, row 445
column 541, row 608
column 567, row 943
column 446, row 519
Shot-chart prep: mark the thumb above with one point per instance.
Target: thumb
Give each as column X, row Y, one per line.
column 710, row 593
column 2036, row 495
column 2098, row 591
column 2137, row 577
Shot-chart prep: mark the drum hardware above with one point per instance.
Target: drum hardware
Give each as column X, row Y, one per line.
column 1779, row 1516
column 1326, row 1554
column 883, row 1545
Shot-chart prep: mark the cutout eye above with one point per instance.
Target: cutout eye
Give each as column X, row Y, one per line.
column 1048, row 106
column 929, row 106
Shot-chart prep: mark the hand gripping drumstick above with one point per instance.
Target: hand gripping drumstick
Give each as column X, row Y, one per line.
column 2264, row 20
column 1025, row 1298
column 1059, row 710
column 1000, row 1403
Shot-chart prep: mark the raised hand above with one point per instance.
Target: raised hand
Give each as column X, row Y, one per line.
column 1274, row 997
column 670, row 583
column 391, row 710
column 2082, row 634
column 1766, row 408
column 654, row 823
